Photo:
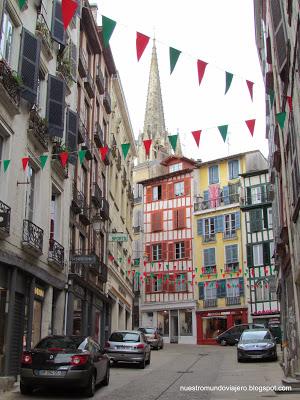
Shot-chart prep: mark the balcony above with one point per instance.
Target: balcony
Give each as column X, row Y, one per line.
column 56, row 255
column 210, row 303
column 82, row 131
column 137, row 229
column 100, row 80
column 96, row 195
column 86, row 145
column 137, row 200
column 43, row 32
column 38, row 130
column 98, row 135
column 89, row 85
column 84, row 214
column 209, row 270
column 5, row 211
column 233, row 301
column 104, row 209
column 201, row 205
column 231, row 267
column 252, row 200
column 230, row 234
column 77, row 200
column 58, row 147
column 9, row 88
column 83, row 260
column 209, row 238
column 82, row 65
column 107, row 102
column 32, row 239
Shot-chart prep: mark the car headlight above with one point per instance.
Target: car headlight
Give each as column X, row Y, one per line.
column 269, row 345
column 241, row 346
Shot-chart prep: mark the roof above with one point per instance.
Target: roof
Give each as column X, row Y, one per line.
column 228, row 157
column 167, row 160
column 166, row 176
column 255, row 172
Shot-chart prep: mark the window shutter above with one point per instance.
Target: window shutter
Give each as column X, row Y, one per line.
column 279, row 31
column 269, row 82
column 255, row 220
column 206, row 257
column 249, row 256
column 228, row 254
column 148, row 284
column 171, row 251
column 164, row 251
column 205, row 195
column 234, row 253
column 72, row 134
column 200, row 227
column 226, row 194
column 172, row 283
column 269, row 52
column 266, row 253
column 73, row 60
column 56, row 106
column 58, row 31
column 29, row 65
column 148, row 194
column 187, row 249
column 265, row 214
column 237, row 220
column 201, row 290
column 219, row 223
column 187, row 186
column 181, row 219
column 241, row 283
column 148, row 253
column 211, row 256
column 170, row 190
column 164, row 191
column 175, row 219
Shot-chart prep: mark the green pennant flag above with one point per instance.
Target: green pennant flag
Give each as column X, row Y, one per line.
column 280, row 118
column 21, row 3
column 229, row 77
column 272, row 97
column 43, row 160
column 108, row 26
column 173, row 141
column 5, row 164
column 174, row 55
column 223, row 130
column 167, row 266
column 125, row 149
column 81, row 155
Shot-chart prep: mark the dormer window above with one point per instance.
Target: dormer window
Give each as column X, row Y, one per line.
column 175, row 167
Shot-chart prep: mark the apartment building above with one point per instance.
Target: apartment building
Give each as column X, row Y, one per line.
column 277, row 39
column 38, row 103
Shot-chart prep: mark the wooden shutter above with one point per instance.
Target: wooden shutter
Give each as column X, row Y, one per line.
column 171, row 251
column 164, row 191
column 148, row 194
column 187, row 249
column 237, row 220
column 181, row 218
column 164, row 254
column 72, row 134
column 29, row 65
column 147, row 284
column 206, row 257
column 241, row 283
column 255, row 220
column 187, row 186
column 156, row 221
column 57, row 29
column 200, row 227
column 175, row 219
column 56, row 106
column 228, row 254
column 148, row 252
column 269, row 82
column 170, row 190
column 266, row 253
column 201, row 290
column 279, row 32
column 226, row 195
column 73, row 60
column 249, row 256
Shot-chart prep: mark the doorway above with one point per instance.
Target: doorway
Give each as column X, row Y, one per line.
column 174, row 326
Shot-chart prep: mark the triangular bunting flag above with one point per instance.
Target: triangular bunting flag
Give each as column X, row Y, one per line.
column 108, row 26
column 125, row 149
column 81, row 155
column 196, row 135
column 5, row 164
column 223, row 130
column 25, row 162
column 201, row 65
column 229, row 77
column 280, row 118
column 103, row 151
column 290, row 102
column 250, row 88
column 63, row 158
column 174, row 55
column 43, row 160
column 147, row 144
column 21, row 3
column 251, row 124
column 141, row 43
column 173, row 141
column 69, row 8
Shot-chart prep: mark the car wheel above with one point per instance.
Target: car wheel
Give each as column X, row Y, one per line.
column 90, row 389
column 223, row 342
column 142, row 364
column 25, row 389
column 106, row 379
column 149, row 359
column 239, row 359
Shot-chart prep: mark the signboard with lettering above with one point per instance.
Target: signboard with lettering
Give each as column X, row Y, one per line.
column 84, row 259
column 39, row 292
column 118, row 237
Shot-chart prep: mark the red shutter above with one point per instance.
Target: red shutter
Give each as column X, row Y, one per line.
column 170, row 190
column 187, row 249
column 171, row 251
column 164, row 251
column 149, row 194
column 187, row 186
column 148, row 253
column 164, row 191
column 175, row 219
column 181, row 223
column 157, row 221
column 147, row 285
column 160, row 221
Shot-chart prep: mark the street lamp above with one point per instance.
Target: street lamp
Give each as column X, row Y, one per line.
column 97, row 223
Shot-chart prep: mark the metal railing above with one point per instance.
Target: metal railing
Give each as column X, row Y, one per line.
column 38, row 127
column 9, row 81
column 100, row 80
column 231, row 267
column 233, row 301
column 56, row 253
column 43, row 29
column 5, row 211
column 96, row 194
column 83, row 65
column 137, row 229
column 265, row 196
column 201, row 205
column 98, row 135
column 89, row 85
column 210, row 303
column 107, row 102
column 209, row 238
column 32, row 235
column 209, row 270
column 229, row 234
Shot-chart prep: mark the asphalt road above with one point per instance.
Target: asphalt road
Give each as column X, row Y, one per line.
column 178, row 366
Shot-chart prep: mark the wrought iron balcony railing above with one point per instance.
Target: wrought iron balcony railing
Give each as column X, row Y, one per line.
column 221, row 201
column 232, row 267
column 86, row 145
column 4, row 218
column 78, row 200
column 210, row 270
column 210, row 303
column 56, row 253
column 252, row 199
column 209, row 238
column 107, row 102
column 82, row 66
column 89, row 85
column 32, row 236
column 42, row 30
column 229, row 234
column 233, row 301
column 9, row 80
column 96, row 195
column 100, row 80
column 137, row 229
column 82, row 131
column 98, row 135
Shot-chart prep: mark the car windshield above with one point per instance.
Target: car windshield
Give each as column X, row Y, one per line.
column 147, row 330
column 66, row 342
column 124, row 337
column 251, row 336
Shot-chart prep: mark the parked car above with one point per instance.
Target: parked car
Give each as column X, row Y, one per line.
column 257, row 344
column 153, row 336
column 128, row 346
column 233, row 334
column 64, row 361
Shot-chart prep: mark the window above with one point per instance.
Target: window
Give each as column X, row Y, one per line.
column 272, row 287
column 255, row 220
column 156, row 193
column 181, row 283
column 41, row 89
column 30, row 192
column 210, row 291
column 271, row 250
column 54, row 216
column 156, row 252
column 233, row 167
column 258, row 255
column 213, row 174
column 179, row 188
column 262, row 290
column 156, row 284
column 231, row 257
column 6, row 37
column 232, row 288
column 233, row 191
column 270, row 218
column 209, row 230
column 179, row 250
column 175, row 167
column 209, row 260
column 256, row 195
column 230, row 225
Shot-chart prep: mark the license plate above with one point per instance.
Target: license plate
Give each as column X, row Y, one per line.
column 256, row 356
column 50, row 372
column 124, row 348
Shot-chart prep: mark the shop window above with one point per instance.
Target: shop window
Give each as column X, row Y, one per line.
column 186, row 322
column 163, row 322
column 213, row 326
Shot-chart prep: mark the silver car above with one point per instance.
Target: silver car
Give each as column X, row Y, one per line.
column 128, row 346
column 154, row 338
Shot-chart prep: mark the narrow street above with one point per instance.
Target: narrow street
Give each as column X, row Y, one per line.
column 182, row 365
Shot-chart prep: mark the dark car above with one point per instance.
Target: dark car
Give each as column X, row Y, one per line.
column 257, row 344
column 233, row 334
column 128, row 346
column 64, row 361
column 154, row 337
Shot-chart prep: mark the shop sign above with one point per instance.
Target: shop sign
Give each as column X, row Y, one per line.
column 39, row 292
column 219, row 313
column 118, row 237
column 84, row 259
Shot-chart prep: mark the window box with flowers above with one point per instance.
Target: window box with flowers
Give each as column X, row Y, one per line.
column 10, row 85
column 59, row 147
column 43, row 32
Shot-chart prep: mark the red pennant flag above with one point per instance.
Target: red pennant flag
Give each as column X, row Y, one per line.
column 250, row 88
column 290, row 102
column 103, row 151
column 128, row 272
column 196, row 135
column 111, row 257
column 145, row 263
column 68, row 10
column 147, row 144
column 129, row 260
column 25, row 162
column 145, row 273
column 228, row 285
column 223, row 275
column 141, row 43
column 251, row 124
column 201, row 65
column 63, row 158
column 217, row 285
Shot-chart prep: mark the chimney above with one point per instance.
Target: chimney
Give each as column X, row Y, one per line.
column 94, row 9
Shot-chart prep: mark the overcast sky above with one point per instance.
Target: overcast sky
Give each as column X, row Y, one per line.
column 220, row 32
